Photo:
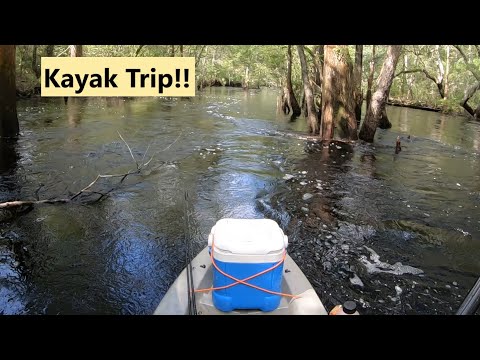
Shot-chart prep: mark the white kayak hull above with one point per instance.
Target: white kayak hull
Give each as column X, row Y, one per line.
column 175, row 301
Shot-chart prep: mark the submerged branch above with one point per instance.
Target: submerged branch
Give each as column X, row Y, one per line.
column 18, row 203
column 87, row 189
column 123, row 176
column 168, row 147
column 131, row 153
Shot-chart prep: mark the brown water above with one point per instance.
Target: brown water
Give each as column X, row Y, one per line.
column 406, row 225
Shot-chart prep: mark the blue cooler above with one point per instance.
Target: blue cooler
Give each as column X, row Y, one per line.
column 242, row 248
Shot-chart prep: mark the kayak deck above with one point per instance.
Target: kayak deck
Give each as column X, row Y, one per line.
column 175, row 301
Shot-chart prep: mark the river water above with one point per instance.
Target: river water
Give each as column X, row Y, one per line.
column 400, row 234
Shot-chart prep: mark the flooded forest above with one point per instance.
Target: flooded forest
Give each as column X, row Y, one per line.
column 367, row 156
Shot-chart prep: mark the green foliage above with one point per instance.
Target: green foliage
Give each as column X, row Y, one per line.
column 449, row 105
column 265, row 65
column 345, row 53
column 424, row 90
column 26, row 80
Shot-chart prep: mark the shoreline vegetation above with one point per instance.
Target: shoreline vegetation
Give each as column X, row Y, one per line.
column 326, row 85
column 336, row 193
column 30, row 92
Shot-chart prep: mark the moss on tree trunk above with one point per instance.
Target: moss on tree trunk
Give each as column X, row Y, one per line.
column 338, row 101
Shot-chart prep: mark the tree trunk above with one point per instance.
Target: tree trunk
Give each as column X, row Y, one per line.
column 35, row 67
column 410, row 80
column 172, row 50
column 377, row 106
column 440, row 81
column 303, row 103
column 318, row 59
column 246, row 79
column 181, row 50
column 447, row 72
column 358, row 82
column 468, row 94
column 313, row 124
column 8, row 95
column 476, row 115
column 280, row 101
column 338, row 103
column 404, row 77
column 76, row 50
column 384, row 123
column 290, row 99
column 285, row 102
column 199, row 54
column 370, row 77
column 49, row 50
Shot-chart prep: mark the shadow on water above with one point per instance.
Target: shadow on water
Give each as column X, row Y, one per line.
column 10, row 182
column 74, row 110
column 8, row 156
column 12, row 289
column 397, row 233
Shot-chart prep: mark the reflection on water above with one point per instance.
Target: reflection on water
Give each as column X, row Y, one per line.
column 374, row 219
column 8, row 156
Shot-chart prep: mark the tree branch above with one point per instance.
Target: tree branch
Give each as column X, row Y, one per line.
column 468, row 94
column 478, row 49
column 200, row 55
column 461, row 52
column 18, row 203
column 64, row 51
column 427, row 74
column 470, row 67
column 138, row 50
column 408, row 72
column 310, row 52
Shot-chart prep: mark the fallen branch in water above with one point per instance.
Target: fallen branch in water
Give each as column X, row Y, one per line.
column 139, row 166
column 18, row 203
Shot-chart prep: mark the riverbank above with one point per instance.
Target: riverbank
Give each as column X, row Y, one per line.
column 29, row 90
column 447, row 108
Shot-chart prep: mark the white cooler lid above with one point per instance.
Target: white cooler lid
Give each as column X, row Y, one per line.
column 248, row 236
